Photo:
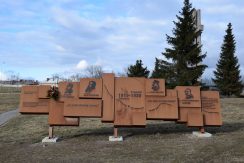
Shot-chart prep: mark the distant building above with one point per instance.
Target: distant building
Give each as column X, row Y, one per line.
column 19, row 82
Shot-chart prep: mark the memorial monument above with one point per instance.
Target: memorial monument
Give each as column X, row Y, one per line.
column 123, row 101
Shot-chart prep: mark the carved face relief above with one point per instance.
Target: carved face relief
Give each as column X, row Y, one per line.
column 155, row 85
column 91, row 86
column 69, row 89
column 188, row 94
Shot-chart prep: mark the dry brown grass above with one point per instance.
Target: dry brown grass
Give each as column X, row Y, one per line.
column 8, row 101
column 158, row 142
column 4, row 89
column 9, row 98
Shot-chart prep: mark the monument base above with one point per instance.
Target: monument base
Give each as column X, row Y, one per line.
column 201, row 135
column 112, row 138
column 50, row 140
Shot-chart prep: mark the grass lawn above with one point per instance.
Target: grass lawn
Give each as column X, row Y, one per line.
column 4, row 89
column 159, row 142
column 8, row 101
column 9, row 98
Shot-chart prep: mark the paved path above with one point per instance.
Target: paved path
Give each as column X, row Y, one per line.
column 4, row 117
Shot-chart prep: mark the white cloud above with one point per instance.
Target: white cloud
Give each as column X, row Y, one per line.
column 133, row 21
column 62, row 33
column 82, row 65
column 225, row 9
column 72, row 20
column 217, row 26
column 3, row 76
column 60, row 48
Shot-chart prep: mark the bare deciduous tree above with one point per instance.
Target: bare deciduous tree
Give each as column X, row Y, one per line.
column 13, row 76
column 123, row 73
column 75, row 77
column 94, row 71
column 55, row 78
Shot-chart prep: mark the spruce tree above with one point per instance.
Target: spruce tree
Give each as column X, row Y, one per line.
column 184, row 58
column 160, row 70
column 157, row 72
column 227, row 74
column 137, row 70
column 163, row 70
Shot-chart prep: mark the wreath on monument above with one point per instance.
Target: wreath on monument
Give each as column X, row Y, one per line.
column 53, row 93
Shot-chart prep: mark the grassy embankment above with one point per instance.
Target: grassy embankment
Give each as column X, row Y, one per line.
column 9, row 98
column 158, row 142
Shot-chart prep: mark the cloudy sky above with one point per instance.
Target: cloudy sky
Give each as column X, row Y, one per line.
column 40, row 38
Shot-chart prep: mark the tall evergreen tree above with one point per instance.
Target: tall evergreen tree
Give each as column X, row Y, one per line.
column 227, row 75
column 163, row 70
column 160, row 70
column 137, row 70
column 184, row 59
column 157, row 72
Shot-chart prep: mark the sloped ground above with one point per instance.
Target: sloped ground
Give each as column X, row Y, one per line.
column 158, row 142
column 6, row 116
column 9, row 98
column 8, row 101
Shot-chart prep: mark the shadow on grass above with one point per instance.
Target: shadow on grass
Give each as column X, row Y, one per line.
column 151, row 129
